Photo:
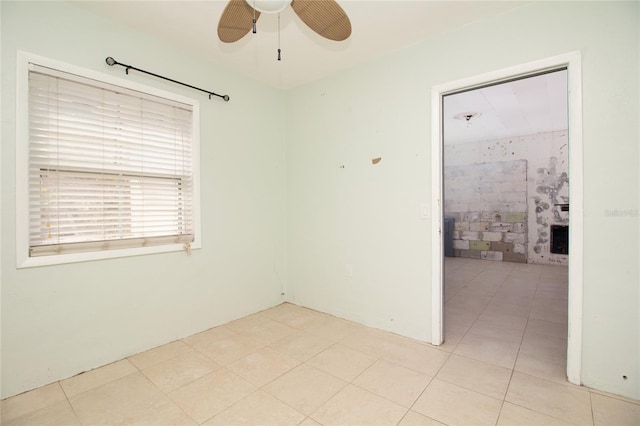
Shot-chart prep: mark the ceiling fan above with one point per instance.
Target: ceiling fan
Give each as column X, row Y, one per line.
column 325, row 17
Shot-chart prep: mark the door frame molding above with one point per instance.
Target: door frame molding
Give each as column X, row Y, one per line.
column 572, row 63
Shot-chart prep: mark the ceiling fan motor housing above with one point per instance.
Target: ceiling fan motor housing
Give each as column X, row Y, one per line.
column 325, row 17
column 269, row 6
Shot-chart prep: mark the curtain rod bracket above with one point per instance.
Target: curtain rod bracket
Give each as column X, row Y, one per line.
column 111, row 62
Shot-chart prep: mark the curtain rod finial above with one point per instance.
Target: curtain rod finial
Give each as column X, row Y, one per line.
column 110, row 61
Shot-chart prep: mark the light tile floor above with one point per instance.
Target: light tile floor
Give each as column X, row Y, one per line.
column 502, row 364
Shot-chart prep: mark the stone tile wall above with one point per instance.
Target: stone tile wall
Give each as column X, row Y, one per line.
column 546, row 185
column 488, row 202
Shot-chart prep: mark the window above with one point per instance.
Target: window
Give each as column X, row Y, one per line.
column 110, row 168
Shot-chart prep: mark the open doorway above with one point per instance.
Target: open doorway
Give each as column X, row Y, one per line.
column 506, row 194
column 506, row 164
column 522, row 242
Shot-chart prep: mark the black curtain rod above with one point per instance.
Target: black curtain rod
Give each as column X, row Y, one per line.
column 111, row 62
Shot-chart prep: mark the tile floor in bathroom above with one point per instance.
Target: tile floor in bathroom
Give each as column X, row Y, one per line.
column 503, row 363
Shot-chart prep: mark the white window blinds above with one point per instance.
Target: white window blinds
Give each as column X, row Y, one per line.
column 109, row 167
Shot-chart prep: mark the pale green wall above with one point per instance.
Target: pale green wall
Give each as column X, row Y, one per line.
column 361, row 215
column 59, row 321
column 368, row 216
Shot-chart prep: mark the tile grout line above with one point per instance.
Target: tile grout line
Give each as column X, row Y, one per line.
column 541, row 378
column 75, row 413
column 166, row 394
column 502, row 401
column 593, row 417
column 524, row 331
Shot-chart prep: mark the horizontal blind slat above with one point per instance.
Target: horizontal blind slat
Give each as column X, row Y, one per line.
column 106, row 164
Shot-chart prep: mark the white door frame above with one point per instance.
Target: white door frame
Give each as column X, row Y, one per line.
column 572, row 62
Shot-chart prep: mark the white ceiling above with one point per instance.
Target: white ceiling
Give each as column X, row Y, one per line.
column 522, row 107
column 379, row 26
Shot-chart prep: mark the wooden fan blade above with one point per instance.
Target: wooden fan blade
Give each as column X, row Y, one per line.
column 325, row 17
column 236, row 21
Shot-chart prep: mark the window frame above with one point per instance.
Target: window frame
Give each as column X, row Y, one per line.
column 23, row 258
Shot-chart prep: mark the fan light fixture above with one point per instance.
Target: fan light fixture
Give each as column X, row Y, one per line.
column 269, row 6
column 467, row 116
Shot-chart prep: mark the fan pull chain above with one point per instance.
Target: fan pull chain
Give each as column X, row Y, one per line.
column 254, row 17
column 279, row 57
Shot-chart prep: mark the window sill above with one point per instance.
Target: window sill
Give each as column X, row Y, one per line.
column 60, row 259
